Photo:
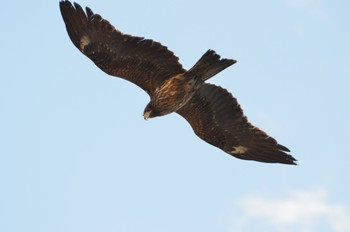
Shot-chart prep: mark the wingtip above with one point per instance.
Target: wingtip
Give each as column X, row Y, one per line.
column 68, row 4
column 293, row 162
column 65, row 5
column 283, row 148
column 65, row 2
column 290, row 160
column 77, row 6
column 89, row 12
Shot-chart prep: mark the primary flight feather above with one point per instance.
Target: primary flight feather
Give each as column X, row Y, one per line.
column 212, row 111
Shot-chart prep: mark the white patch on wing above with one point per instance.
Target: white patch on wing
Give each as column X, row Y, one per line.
column 239, row 150
column 84, row 41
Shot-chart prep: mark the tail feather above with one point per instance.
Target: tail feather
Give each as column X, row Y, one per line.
column 209, row 65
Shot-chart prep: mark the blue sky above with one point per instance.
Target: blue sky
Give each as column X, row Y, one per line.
column 77, row 155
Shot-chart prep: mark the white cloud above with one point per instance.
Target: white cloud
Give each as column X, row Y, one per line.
column 300, row 211
column 299, row 30
column 312, row 9
column 303, row 3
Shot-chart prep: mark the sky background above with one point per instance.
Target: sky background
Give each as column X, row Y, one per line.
column 77, row 155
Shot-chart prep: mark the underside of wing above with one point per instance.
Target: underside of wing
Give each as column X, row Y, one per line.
column 142, row 61
column 218, row 119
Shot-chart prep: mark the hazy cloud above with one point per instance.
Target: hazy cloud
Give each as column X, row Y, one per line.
column 314, row 7
column 300, row 211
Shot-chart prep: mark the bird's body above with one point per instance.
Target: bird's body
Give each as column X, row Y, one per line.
column 214, row 114
column 176, row 91
column 169, row 92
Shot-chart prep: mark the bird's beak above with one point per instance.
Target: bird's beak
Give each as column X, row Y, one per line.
column 146, row 115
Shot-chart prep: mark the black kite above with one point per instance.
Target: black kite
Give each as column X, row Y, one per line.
column 212, row 111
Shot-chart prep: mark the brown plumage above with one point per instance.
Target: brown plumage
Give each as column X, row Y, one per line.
column 212, row 111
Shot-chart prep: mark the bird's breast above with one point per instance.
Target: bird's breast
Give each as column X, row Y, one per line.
column 174, row 93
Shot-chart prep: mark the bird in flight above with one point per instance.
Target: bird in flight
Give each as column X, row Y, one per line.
column 213, row 113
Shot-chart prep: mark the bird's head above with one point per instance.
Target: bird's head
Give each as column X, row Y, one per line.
column 149, row 112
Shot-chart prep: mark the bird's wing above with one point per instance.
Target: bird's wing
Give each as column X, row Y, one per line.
column 142, row 61
column 218, row 119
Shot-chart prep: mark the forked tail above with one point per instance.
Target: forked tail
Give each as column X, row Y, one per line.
column 209, row 65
